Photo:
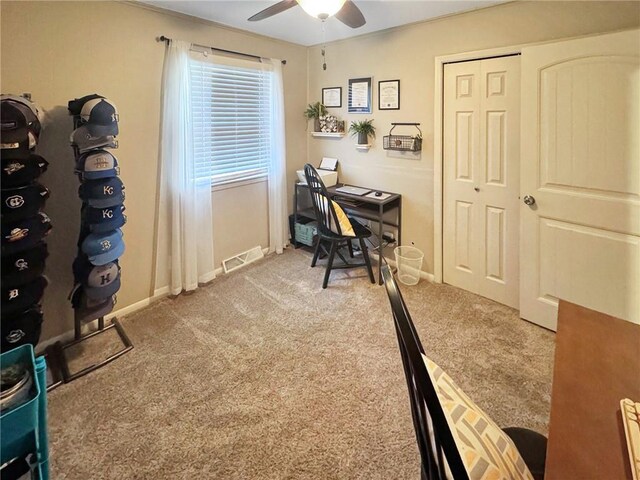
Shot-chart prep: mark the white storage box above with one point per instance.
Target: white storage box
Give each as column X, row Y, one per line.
column 328, row 178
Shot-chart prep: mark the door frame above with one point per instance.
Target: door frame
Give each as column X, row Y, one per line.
column 438, row 141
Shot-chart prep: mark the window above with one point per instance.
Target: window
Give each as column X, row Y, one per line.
column 231, row 109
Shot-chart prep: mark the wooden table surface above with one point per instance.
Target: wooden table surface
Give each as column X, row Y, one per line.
column 597, row 364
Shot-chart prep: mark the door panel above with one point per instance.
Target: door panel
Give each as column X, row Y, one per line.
column 581, row 161
column 481, row 177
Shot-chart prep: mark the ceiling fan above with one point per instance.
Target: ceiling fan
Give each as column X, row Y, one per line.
column 344, row 10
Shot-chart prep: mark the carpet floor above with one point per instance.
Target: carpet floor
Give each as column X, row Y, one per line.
column 263, row 375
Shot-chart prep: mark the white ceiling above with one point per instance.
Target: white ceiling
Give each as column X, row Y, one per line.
column 295, row 26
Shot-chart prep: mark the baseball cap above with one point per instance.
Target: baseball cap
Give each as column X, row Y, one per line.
column 87, row 309
column 23, row 267
column 21, row 329
column 102, row 248
column 104, row 219
column 75, row 105
column 82, row 138
column 34, row 107
column 22, row 171
column 100, row 116
column 19, row 299
column 18, row 132
column 19, row 115
column 99, row 281
column 23, row 202
column 96, row 164
column 24, row 234
column 101, row 193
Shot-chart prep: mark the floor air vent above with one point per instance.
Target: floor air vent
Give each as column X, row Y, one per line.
column 242, row 259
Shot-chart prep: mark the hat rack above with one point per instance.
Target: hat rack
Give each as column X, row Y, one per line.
column 78, row 294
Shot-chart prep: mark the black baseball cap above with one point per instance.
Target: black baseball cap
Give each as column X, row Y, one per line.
column 18, row 119
column 23, row 267
column 18, row 130
column 24, row 234
column 22, row 328
column 23, row 202
column 22, row 171
column 19, row 299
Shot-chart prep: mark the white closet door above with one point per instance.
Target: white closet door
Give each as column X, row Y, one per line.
column 481, row 177
column 581, row 163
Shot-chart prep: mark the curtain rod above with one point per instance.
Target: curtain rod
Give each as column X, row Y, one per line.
column 233, row 52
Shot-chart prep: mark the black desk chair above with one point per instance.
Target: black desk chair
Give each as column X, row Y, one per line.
column 459, row 455
column 329, row 229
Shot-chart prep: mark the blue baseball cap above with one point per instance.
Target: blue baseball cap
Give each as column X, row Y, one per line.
column 99, row 281
column 102, row 248
column 96, row 164
column 105, row 192
column 105, row 219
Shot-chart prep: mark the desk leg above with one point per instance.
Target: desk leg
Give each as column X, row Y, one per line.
column 380, row 240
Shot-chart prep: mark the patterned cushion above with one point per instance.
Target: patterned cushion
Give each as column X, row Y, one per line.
column 345, row 224
column 487, row 452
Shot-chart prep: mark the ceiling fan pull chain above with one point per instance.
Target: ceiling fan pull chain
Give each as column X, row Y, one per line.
column 324, row 46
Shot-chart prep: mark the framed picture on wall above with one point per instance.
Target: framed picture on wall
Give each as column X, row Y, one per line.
column 332, row 97
column 359, row 98
column 389, row 95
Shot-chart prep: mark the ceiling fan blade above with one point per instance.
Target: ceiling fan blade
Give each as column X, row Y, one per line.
column 273, row 10
column 351, row 15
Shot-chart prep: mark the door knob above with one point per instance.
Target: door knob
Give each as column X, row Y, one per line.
column 529, row 200
column 476, row 189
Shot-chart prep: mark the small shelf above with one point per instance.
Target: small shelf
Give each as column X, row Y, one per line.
column 363, row 147
column 327, row 134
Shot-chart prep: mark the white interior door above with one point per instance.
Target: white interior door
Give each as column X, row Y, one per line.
column 481, row 177
column 580, row 240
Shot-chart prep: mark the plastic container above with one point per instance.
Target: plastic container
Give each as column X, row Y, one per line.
column 23, row 429
column 305, row 232
column 409, row 263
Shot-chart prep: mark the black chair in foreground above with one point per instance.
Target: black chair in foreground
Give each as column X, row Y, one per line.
column 456, row 439
column 330, row 227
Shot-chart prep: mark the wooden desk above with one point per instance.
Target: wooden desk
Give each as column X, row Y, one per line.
column 362, row 206
column 597, row 364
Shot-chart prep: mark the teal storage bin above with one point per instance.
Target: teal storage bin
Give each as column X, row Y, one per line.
column 305, row 231
column 23, row 429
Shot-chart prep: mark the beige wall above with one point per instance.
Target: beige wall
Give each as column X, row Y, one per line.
column 62, row 50
column 408, row 54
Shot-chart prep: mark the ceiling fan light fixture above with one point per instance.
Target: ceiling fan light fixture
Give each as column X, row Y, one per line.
column 321, row 9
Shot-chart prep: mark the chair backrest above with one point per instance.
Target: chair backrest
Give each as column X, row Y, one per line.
column 435, row 439
column 322, row 206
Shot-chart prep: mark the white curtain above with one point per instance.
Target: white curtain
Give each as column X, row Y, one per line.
column 278, row 218
column 185, row 200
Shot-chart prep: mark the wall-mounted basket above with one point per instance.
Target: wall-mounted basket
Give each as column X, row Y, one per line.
column 404, row 143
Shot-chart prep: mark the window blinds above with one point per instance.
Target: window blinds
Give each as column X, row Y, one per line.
column 230, row 109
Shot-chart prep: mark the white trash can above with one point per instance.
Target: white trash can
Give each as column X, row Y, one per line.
column 409, row 263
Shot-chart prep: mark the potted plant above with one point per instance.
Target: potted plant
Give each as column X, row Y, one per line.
column 315, row 111
column 364, row 129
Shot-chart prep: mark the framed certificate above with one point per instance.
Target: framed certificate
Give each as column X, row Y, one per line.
column 332, row 97
column 389, row 95
column 359, row 99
